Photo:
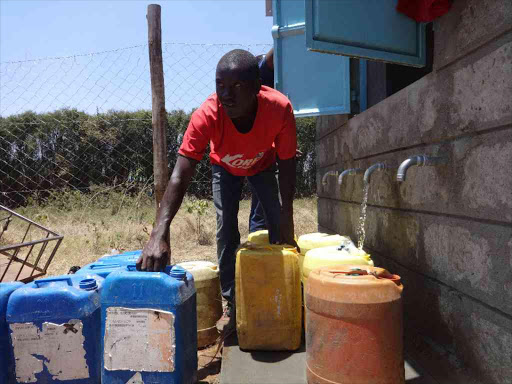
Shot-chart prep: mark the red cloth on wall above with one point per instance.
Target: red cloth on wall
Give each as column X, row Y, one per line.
column 423, row 10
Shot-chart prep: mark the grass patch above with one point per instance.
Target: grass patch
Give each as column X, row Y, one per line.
column 113, row 218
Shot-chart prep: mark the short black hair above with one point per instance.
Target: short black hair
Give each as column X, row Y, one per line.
column 241, row 60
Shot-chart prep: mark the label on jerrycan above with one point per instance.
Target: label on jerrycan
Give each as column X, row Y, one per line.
column 60, row 347
column 139, row 340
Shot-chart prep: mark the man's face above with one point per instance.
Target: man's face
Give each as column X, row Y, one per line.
column 236, row 93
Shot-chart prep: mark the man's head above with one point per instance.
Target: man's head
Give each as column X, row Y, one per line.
column 237, row 82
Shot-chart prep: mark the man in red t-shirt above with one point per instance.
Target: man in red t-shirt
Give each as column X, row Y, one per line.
column 248, row 128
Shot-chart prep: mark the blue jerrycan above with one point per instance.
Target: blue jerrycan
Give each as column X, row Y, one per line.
column 54, row 327
column 127, row 256
column 105, row 265
column 6, row 363
column 149, row 327
column 101, row 268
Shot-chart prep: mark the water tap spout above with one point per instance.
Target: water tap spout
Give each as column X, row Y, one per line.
column 420, row 161
column 351, row 171
column 327, row 174
column 371, row 169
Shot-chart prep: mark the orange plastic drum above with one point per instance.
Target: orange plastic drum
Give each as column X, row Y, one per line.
column 354, row 326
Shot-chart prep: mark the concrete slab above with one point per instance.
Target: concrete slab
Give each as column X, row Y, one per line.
column 256, row 367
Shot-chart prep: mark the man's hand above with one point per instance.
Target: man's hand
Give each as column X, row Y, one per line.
column 155, row 256
column 287, row 230
column 157, row 253
column 287, row 190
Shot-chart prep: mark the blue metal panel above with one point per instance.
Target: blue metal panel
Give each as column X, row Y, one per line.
column 363, row 86
column 316, row 84
column 370, row 29
column 289, row 12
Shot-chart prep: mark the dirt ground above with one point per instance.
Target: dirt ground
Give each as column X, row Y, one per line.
column 91, row 231
column 209, row 363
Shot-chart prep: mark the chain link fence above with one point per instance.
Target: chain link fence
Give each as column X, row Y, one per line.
column 79, row 122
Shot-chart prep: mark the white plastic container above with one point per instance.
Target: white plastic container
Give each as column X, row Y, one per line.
column 209, row 300
column 259, row 237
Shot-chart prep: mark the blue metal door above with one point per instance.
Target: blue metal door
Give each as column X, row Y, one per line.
column 317, row 84
column 370, row 29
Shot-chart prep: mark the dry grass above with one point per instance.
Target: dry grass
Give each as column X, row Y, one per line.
column 117, row 221
column 114, row 220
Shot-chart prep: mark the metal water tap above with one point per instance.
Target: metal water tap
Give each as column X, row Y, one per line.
column 327, row 174
column 420, row 161
column 371, row 169
column 351, row 171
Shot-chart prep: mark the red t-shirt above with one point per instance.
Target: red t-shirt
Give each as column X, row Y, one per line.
column 243, row 154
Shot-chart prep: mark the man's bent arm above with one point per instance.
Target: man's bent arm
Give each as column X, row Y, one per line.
column 156, row 253
column 287, row 189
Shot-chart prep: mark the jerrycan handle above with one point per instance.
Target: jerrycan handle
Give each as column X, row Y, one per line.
column 39, row 283
column 363, row 272
column 104, row 266
column 131, row 268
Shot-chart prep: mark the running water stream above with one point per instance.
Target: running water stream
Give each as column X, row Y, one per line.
column 362, row 219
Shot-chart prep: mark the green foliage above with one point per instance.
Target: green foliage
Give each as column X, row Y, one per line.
column 68, row 150
column 66, row 200
column 306, row 163
column 198, row 208
column 112, row 198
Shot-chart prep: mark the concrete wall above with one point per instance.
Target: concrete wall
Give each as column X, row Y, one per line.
column 448, row 229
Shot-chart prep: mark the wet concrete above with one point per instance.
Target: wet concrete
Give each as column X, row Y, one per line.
column 257, row 367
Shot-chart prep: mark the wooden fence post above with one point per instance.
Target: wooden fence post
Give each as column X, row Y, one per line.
column 159, row 116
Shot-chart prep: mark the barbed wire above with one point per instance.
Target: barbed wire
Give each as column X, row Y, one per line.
column 74, row 122
column 82, row 121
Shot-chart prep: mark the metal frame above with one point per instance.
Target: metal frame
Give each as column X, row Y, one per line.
column 342, row 106
column 418, row 59
column 12, row 251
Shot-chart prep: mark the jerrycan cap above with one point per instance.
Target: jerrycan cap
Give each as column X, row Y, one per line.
column 88, row 284
column 178, row 272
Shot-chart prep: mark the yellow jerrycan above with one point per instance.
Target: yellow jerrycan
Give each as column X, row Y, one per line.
column 268, row 297
column 209, row 301
column 259, row 237
column 316, row 240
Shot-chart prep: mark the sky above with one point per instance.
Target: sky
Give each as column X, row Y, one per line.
column 98, row 53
